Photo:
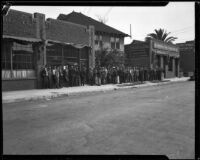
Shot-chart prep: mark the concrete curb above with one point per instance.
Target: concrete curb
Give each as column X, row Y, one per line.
column 50, row 95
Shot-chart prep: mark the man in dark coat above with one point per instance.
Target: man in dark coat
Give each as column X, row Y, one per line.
column 141, row 74
column 57, row 75
column 83, row 75
column 44, row 74
column 66, row 76
column 50, row 77
column 61, row 77
column 90, row 76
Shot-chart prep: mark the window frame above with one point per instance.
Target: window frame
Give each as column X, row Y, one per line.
column 17, row 65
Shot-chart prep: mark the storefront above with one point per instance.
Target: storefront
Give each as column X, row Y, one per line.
column 67, row 54
column 165, row 56
column 154, row 54
column 187, row 57
column 18, row 63
column 35, row 42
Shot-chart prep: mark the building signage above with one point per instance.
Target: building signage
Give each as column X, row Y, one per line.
column 165, row 47
column 186, row 47
column 171, row 54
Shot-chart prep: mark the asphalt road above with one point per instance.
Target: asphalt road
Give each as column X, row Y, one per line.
column 151, row 120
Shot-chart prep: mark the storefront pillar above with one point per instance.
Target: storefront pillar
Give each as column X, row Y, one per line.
column 161, row 62
column 45, row 52
column 62, row 48
column 178, row 67
column 165, row 66
column 173, row 66
column 40, row 50
column 79, row 58
column 92, row 45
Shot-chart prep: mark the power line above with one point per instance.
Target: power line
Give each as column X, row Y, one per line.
column 184, row 32
column 186, row 28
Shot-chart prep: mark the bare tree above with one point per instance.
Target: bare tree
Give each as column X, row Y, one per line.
column 102, row 19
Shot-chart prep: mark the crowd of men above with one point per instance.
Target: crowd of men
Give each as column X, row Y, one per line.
column 68, row 76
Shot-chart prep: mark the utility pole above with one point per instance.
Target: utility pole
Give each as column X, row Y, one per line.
column 130, row 32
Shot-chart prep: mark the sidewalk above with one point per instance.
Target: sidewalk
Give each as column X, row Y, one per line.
column 36, row 94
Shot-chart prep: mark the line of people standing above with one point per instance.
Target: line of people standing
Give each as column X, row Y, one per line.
column 116, row 75
column 68, row 76
column 62, row 76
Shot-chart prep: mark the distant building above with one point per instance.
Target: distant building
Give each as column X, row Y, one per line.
column 153, row 54
column 187, row 57
column 105, row 37
column 30, row 42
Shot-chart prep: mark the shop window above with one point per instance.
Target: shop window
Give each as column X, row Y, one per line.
column 170, row 64
column 17, row 60
column 5, row 56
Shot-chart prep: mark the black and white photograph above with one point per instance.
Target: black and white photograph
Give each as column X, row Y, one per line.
column 99, row 80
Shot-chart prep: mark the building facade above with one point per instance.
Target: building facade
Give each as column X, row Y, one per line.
column 105, row 37
column 30, row 41
column 154, row 54
column 187, row 57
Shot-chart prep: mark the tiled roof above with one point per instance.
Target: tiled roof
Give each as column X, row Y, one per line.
column 67, row 32
column 80, row 18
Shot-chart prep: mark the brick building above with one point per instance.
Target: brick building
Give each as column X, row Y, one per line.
column 153, row 54
column 30, row 42
column 187, row 57
column 105, row 37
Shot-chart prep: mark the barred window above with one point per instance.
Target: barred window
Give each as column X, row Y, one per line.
column 22, row 56
column 5, row 56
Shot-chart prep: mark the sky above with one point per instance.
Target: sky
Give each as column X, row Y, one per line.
column 177, row 18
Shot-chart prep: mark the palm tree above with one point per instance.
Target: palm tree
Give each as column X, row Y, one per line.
column 161, row 34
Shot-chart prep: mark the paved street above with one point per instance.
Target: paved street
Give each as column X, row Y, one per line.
column 149, row 120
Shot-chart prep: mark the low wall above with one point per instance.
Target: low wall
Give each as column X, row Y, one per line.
column 170, row 74
column 18, row 84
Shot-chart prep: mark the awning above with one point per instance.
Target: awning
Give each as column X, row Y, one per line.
column 165, row 53
column 79, row 46
column 23, row 38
